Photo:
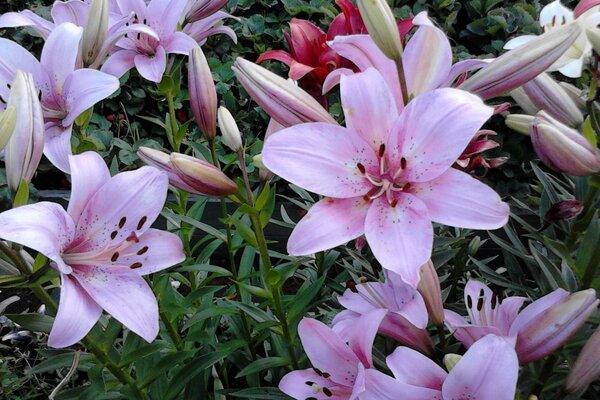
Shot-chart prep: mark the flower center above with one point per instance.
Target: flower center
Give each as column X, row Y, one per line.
column 386, row 181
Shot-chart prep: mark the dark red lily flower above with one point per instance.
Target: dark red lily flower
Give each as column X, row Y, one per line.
column 310, row 58
column 473, row 156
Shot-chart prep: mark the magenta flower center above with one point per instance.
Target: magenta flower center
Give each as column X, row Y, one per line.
column 386, row 181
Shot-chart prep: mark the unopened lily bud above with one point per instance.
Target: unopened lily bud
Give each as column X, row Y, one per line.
column 429, row 287
column 382, row 26
column 280, row 98
column 202, row 176
column 587, row 366
column 8, row 120
column 24, row 149
column 450, row 360
column 523, row 101
column 564, row 210
column 162, row 161
column 95, row 31
column 548, row 323
column 229, row 129
column 200, row 9
column 546, row 94
column 562, row 148
column 520, row 122
column 575, row 93
column 203, row 94
column 518, row 66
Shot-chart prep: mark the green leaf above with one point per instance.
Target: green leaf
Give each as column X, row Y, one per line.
column 22, row 195
column 140, row 352
column 262, row 364
column 245, row 231
column 33, row 322
column 263, row 393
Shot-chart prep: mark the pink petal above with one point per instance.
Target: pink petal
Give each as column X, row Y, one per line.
column 124, row 294
column 329, row 223
column 361, row 340
column 57, row 146
column 334, row 78
column 328, row 352
column 455, row 198
column 152, row 67
column 88, row 174
column 83, row 89
column 164, row 15
column 462, row 67
column 369, row 107
column 427, row 58
column 466, row 333
column 27, row 18
column 59, row 55
column 77, row 314
column 399, row 328
column 364, row 53
column 44, row 227
column 13, row 58
column 155, row 251
column 490, row 364
column 179, row 43
column 297, row 385
column 126, row 205
column 75, row 12
column 537, row 308
column 379, row 386
column 321, row 158
column 119, row 63
column 278, row 55
column 413, row 368
column 400, row 237
column 431, row 141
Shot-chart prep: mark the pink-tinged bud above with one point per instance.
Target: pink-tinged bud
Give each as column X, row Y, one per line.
column 583, row 6
column 203, row 94
column 520, row 122
column 564, row 210
column 24, row 149
column 280, row 98
column 548, row 323
column 202, row 176
column 546, row 94
column 562, row 148
column 575, row 93
column 382, row 26
column 429, row 287
column 162, row 161
column 200, row 9
column 587, row 366
column 518, row 66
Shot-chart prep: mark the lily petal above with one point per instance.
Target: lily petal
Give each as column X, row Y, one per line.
column 57, row 146
column 152, row 68
column 84, row 88
column 59, row 55
column 155, row 251
column 118, row 63
column 88, row 174
column 413, row 368
column 379, row 386
column 361, row 340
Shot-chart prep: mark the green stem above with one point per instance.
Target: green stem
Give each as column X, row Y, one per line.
column 589, row 210
column 231, row 259
column 402, row 79
column 124, row 377
column 172, row 331
column 442, row 336
column 174, row 127
column 545, row 374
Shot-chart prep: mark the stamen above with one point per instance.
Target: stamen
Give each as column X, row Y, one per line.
column 381, row 150
column 136, row 265
column 142, row 222
column 361, row 168
column 375, row 297
column 327, row 392
column 403, row 163
column 115, row 256
column 122, row 222
column 142, row 250
column 469, row 302
column 113, row 235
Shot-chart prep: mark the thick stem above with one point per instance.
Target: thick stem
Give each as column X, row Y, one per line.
column 124, row 377
column 402, row 79
column 242, row 161
column 172, row 331
column 174, row 126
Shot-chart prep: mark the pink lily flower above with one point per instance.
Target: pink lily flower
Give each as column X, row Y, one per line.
column 102, row 246
column 386, row 174
column 146, row 53
column 66, row 91
column 540, row 328
column 406, row 314
column 338, row 361
column 488, row 371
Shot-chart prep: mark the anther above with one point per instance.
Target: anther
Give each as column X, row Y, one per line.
column 113, row 235
column 381, row 150
column 403, row 163
column 142, row 250
column 352, row 286
column 469, row 301
column 142, row 222
column 115, row 256
column 136, row 265
column 394, row 203
column 122, row 222
column 327, row 392
column 361, row 168
column 480, row 304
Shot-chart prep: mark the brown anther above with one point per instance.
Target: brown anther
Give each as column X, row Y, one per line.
column 326, row 375
column 142, row 222
column 136, row 265
column 327, row 392
column 469, row 301
column 115, row 256
column 352, row 286
column 113, row 235
column 142, row 250
column 403, row 163
column 480, row 304
column 361, row 168
column 122, row 222
column 394, row 203
column 494, row 301
column 381, row 150
column 406, row 186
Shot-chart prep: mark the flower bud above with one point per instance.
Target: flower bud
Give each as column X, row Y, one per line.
column 575, row 93
column 518, row 66
column 562, row 148
column 279, row 97
column 162, row 161
column 520, row 122
column 548, row 323
column 523, row 101
column 200, row 9
column 8, row 120
column 450, row 360
column 546, row 94
column 203, row 177
column 203, row 94
column 24, row 149
column 229, row 129
column 382, row 26
column 95, row 31
column 587, row 366
column 564, row 210
column 429, row 287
